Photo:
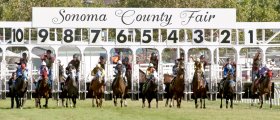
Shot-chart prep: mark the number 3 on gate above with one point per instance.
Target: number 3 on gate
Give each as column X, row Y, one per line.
column 198, row 36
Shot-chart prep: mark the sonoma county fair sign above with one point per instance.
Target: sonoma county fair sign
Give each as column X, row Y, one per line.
column 133, row 17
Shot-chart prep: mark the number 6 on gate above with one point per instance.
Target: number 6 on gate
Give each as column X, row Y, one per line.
column 121, row 36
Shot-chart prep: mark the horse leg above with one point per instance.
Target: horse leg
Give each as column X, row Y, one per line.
column 261, row 100
column 74, row 101
column 221, row 106
column 195, row 101
column 143, row 101
column 166, row 103
column 47, row 99
column 270, row 102
column 39, row 101
column 201, row 102
column 204, row 103
column 100, row 102
column 115, row 100
column 93, row 101
column 96, row 101
column 156, row 100
column 122, row 100
column 231, row 101
column 227, row 101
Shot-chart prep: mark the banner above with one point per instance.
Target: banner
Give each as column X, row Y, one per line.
column 65, row 17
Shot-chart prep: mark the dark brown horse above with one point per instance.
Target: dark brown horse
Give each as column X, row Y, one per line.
column 227, row 90
column 178, row 86
column 119, row 89
column 167, row 82
column 20, row 91
column 43, row 91
column 97, row 86
column 149, row 91
column 199, row 86
column 263, row 88
column 71, row 87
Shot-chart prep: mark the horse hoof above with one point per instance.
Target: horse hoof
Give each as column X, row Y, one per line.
column 196, row 106
column 221, row 106
column 204, row 107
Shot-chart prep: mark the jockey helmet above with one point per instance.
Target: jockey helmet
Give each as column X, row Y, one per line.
column 119, row 62
column 228, row 59
column 229, row 66
column 202, row 56
column 264, row 65
column 101, row 57
column 43, row 63
column 75, row 56
column 151, row 65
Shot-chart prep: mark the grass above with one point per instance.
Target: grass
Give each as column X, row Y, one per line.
column 84, row 111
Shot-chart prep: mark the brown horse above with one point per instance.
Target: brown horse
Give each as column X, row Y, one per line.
column 71, row 88
column 199, row 86
column 43, row 91
column 119, row 89
column 97, row 86
column 20, row 91
column 167, row 82
column 264, row 88
column 227, row 90
column 149, row 91
column 177, row 87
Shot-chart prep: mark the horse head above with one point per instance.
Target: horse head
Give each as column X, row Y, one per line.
column 72, row 73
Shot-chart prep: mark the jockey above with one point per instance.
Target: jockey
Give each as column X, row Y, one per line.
column 98, row 72
column 256, row 65
column 228, row 69
column 49, row 59
column 121, row 67
column 44, row 73
column 262, row 73
column 128, row 67
column 204, row 63
column 22, row 72
column 102, row 62
column 151, row 72
column 175, row 68
column 76, row 63
column 154, row 60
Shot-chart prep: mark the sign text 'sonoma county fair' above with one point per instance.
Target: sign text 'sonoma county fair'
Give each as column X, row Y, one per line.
column 133, row 17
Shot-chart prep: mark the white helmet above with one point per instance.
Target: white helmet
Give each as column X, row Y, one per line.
column 151, row 65
column 229, row 66
column 119, row 62
column 43, row 63
column 264, row 65
column 197, row 59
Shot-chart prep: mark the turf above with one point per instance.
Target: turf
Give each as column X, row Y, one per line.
column 134, row 111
